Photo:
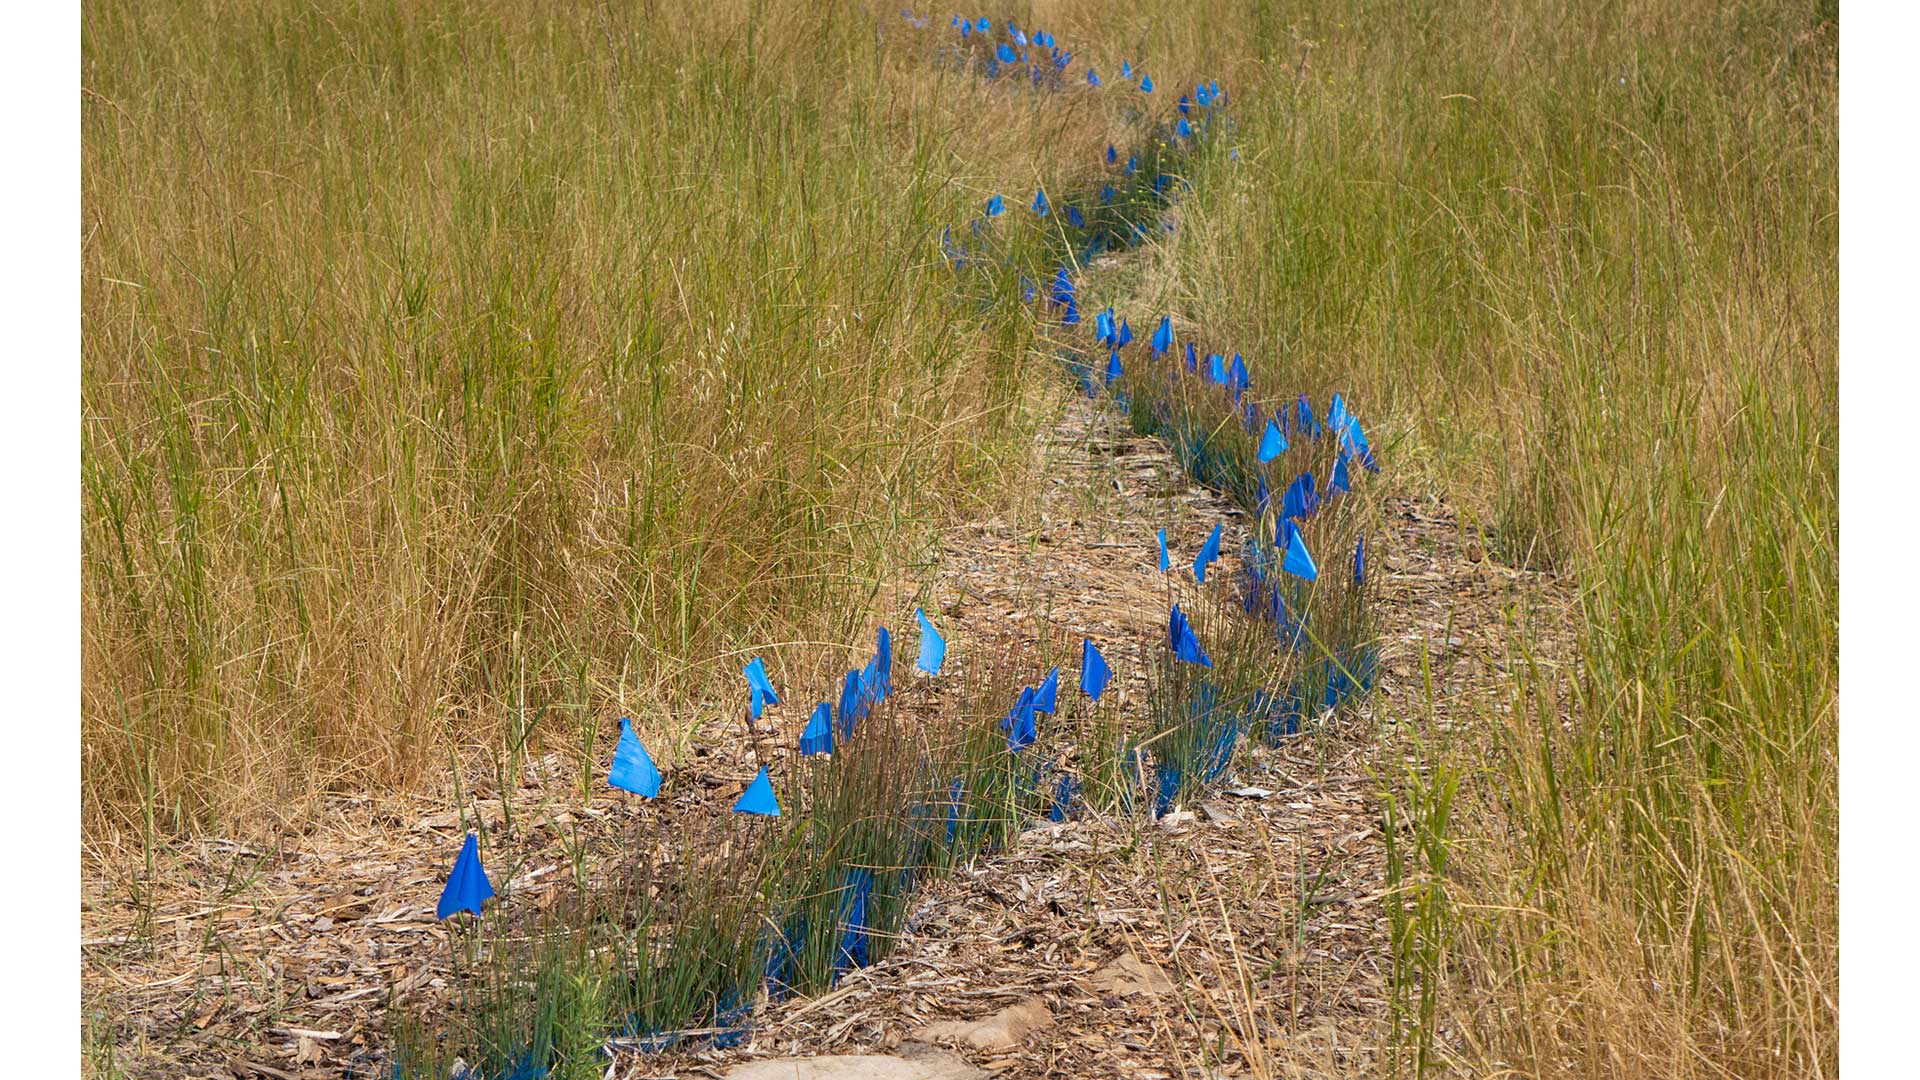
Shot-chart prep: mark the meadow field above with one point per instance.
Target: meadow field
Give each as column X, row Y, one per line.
column 459, row 378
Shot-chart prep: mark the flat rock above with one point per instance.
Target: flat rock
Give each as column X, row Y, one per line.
column 932, row 1065
column 1130, row 975
column 1003, row 1030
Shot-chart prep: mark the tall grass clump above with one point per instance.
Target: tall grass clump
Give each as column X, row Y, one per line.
column 1585, row 260
column 447, row 368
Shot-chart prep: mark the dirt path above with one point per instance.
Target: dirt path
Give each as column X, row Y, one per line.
column 1263, row 909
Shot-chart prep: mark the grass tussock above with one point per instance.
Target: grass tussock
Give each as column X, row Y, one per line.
column 1587, row 258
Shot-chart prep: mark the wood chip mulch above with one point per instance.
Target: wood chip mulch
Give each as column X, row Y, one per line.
column 1263, row 909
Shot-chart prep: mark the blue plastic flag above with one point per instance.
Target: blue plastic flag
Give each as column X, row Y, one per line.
column 1046, row 697
column 852, row 706
column 1163, row 335
column 1094, row 672
column 1114, row 370
column 762, row 690
column 1075, row 218
column 632, row 769
column 996, row 206
column 1021, row 731
column 1201, row 95
column 1126, row 69
column 1237, row 376
column 1004, row 53
column 1106, row 194
column 1018, row 37
column 1360, row 561
column 467, row 886
column 1165, row 565
column 966, row 30
column 1024, row 703
column 1217, row 369
column 1337, row 415
column 1183, row 642
column 1040, row 202
column 1112, row 156
column 883, row 662
column 1133, row 164
column 1309, row 427
column 1298, row 501
column 1146, row 84
column 1093, row 77
column 818, row 736
column 758, row 798
column 1272, row 443
column 1215, row 87
column 1071, row 316
column 1103, row 327
column 1184, row 107
column 1062, row 287
column 1125, row 336
column 1193, row 359
column 1183, row 129
column 933, row 647
column 1209, row 551
column 1338, row 482
column 1298, row 562
column 983, row 25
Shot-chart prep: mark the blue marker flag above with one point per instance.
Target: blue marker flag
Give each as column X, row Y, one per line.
column 1217, row 369
column 758, row 798
column 1360, row 561
column 1309, row 427
column 1298, row 501
column 996, row 206
column 1019, row 722
column 763, row 695
column 1126, row 69
column 818, row 736
column 1146, row 84
column 1093, row 77
column 1114, row 370
column 632, row 769
column 1111, row 155
column 984, row 25
column 1045, row 698
column 1004, row 52
column 1126, row 335
column 1338, row 482
column 1040, row 202
column 1237, row 376
column 851, row 706
column 1181, row 639
column 1184, row 108
column 467, row 886
column 1062, row 287
column 1193, row 359
column 1163, row 335
column 1103, row 326
column 1075, row 218
column 1272, row 443
column 1183, row 129
column 1209, row 551
column 1133, row 164
column 883, row 662
column 1337, row 415
column 1106, row 195
column 1164, row 564
column 933, row 647
column 1094, row 672
column 1298, row 562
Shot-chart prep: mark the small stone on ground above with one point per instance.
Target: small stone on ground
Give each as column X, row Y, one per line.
column 1004, row 1030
